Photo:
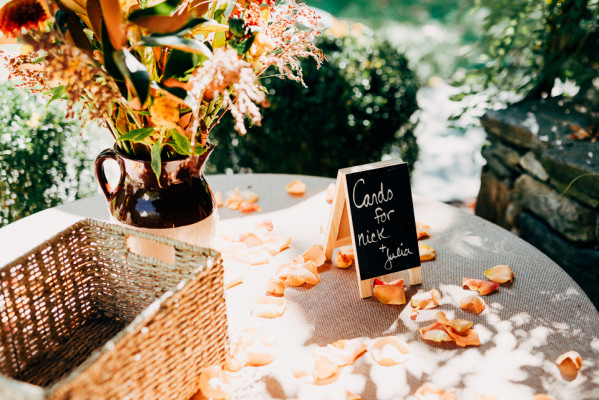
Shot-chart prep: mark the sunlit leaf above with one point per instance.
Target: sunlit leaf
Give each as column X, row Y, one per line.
column 137, row 135
column 156, row 161
column 165, row 8
column 179, row 143
column 111, row 13
column 179, row 43
column 134, row 71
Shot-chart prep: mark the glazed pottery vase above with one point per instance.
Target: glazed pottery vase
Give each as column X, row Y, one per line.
column 179, row 204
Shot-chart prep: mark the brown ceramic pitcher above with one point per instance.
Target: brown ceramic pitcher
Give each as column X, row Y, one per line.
column 180, row 197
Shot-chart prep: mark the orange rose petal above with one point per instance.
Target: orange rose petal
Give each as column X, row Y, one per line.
column 483, row 287
column 390, row 350
column 316, row 254
column 542, row 397
column 486, row 397
column 422, row 231
column 500, row 274
column 324, row 369
column 253, row 347
column 352, row 396
column 297, row 273
column 344, row 352
column 275, row 287
column 214, row 383
column 276, row 244
column 265, row 224
column 426, row 300
column 569, row 363
column 238, row 280
column 427, row 253
column 258, row 257
column 247, row 196
column 269, row 307
column 255, row 237
column 468, row 338
column 296, row 188
column 473, row 304
column 218, row 199
column 436, row 335
column 247, row 208
column 330, row 192
column 428, row 390
column 460, row 325
column 344, row 257
column 389, row 292
column 316, row 370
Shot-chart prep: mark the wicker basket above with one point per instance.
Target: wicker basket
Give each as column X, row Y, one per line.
column 82, row 317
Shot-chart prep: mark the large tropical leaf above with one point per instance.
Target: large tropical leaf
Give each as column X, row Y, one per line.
column 94, row 13
column 179, row 43
column 135, row 72
column 111, row 15
column 165, row 9
column 179, row 143
column 179, row 64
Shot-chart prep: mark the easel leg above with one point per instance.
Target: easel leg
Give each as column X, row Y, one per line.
column 365, row 287
column 415, row 276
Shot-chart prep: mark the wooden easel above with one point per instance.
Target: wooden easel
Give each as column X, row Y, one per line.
column 340, row 230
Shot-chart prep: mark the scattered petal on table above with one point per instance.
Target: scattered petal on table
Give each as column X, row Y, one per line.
column 233, row 200
column 215, row 383
column 473, row 304
column 330, row 192
column 468, row 338
column 483, row 287
column 542, row 397
column 255, row 238
column 231, row 283
column 436, row 335
column 324, row 369
column 352, row 396
column 427, row 253
column 247, row 208
column 247, row 196
column 424, row 301
column 569, row 363
column 316, row 370
column 460, row 325
column 296, row 188
column 276, row 244
column 297, row 273
column 258, row 256
column 432, row 392
column 390, row 350
column 264, row 224
column 253, row 347
column 218, row 199
column 500, row 273
column 316, row 254
column 422, row 231
column 344, row 257
column 269, row 307
column 344, row 352
column 486, row 397
column 389, row 292
column 275, row 287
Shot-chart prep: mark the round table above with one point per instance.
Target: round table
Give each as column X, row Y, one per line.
column 526, row 325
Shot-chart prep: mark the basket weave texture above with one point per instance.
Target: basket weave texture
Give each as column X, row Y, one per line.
column 82, row 317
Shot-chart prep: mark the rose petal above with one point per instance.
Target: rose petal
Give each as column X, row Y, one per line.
column 426, row 300
column 330, row 192
column 389, row 293
column 422, row 231
column 427, row 253
column 247, row 208
column 231, row 283
column 247, row 196
column 468, row 338
column 425, row 391
column 352, row 396
column 253, row 347
column 460, row 325
column 324, row 369
column 275, row 287
column 543, row 397
column 265, row 224
column 390, row 350
column 297, row 273
column 316, row 254
column 344, row 352
column 436, row 335
column 297, row 188
column 569, row 363
column 473, row 304
column 218, row 198
column 344, row 257
column 276, row 244
column 269, row 307
column 255, row 238
column 258, row 257
column 500, row 274
column 316, row 370
column 214, row 383
column 483, row 287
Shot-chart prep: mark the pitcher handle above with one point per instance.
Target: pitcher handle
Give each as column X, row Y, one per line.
column 101, row 176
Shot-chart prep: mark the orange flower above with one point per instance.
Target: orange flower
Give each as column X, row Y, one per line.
column 18, row 14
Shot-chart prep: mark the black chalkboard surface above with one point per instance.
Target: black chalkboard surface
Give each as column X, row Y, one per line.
column 381, row 216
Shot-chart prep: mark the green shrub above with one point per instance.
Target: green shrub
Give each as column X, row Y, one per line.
column 356, row 107
column 529, row 45
column 43, row 160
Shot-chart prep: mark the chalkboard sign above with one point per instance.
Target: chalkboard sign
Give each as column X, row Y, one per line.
column 376, row 201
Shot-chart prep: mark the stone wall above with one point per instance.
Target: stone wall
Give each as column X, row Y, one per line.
column 544, row 186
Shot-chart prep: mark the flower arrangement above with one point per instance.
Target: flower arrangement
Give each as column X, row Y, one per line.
column 159, row 75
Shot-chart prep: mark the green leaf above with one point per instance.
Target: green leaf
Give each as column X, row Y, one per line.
column 243, row 46
column 165, row 8
column 175, row 91
column 179, row 143
column 156, row 161
column 179, row 43
column 109, row 61
column 58, row 93
column 191, row 24
column 180, row 64
column 137, row 135
column 198, row 150
column 134, row 71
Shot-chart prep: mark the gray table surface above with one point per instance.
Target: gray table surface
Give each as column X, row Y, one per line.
column 525, row 327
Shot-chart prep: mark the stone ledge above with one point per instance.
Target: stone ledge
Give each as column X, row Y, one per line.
column 568, row 217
